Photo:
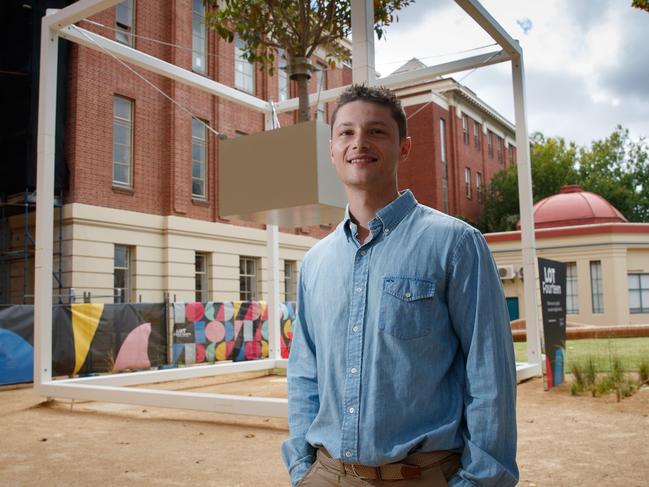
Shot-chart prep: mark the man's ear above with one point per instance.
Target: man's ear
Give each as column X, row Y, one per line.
column 331, row 154
column 406, row 145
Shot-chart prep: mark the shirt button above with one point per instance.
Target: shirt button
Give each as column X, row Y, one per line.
column 353, row 370
column 386, row 231
column 363, row 252
column 355, row 329
column 359, row 289
column 408, row 295
column 351, row 410
column 348, row 453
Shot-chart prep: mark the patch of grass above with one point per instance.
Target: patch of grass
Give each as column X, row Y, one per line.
column 643, row 371
column 632, row 352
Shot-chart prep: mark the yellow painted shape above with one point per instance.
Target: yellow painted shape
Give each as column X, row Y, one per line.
column 85, row 321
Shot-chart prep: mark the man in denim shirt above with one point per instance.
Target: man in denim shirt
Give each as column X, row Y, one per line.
column 401, row 371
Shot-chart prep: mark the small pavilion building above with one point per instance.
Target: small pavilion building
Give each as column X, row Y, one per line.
column 606, row 257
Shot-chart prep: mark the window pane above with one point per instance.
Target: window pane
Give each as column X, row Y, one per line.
column 644, row 281
column 123, row 13
column 122, row 108
column 197, row 187
column 120, row 174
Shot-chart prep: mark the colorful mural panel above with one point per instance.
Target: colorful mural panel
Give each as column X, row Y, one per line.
column 86, row 339
column 230, row 330
column 217, row 331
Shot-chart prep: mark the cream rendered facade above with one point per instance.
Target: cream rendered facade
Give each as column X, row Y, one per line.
column 163, row 254
column 622, row 248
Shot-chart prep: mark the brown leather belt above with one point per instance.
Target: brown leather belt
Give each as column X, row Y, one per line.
column 410, row 468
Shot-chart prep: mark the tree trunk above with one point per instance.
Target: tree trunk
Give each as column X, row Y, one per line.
column 303, row 96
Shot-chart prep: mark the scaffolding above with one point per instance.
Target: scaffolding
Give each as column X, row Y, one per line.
column 24, row 204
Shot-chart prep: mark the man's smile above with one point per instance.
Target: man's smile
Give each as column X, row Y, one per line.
column 361, row 160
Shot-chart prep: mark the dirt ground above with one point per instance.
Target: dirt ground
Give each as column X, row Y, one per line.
column 563, row 440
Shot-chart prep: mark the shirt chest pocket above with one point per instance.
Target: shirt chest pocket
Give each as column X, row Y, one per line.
column 407, row 307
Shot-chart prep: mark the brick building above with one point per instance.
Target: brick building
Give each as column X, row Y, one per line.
column 140, row 216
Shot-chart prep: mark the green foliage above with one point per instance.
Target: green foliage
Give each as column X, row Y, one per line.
column 641, row 4
column 643, row 371
column 616, row 168
column 298, row 26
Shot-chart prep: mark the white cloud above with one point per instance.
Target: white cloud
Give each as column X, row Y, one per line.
column 586, row 60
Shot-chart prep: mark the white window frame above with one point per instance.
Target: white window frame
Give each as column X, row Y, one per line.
column 467, row 183
column 127, row 124
column 123, row 294
column 199, row 142
column 596, row 287
column 283, row 81
column 290, row 281
column 201, row 281
column 244, row 70
column 572, row 289
column 444, row 163
column 642, row 282
column 465, row 128
column 199, row 37
column 477, row 128
column 125, row 27
column 248, row 278
column 478, row 185
column 321, row 85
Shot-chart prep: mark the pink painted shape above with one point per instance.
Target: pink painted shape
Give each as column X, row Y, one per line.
column 194, row 311
column 200, row 353
column 215, row 331
column 253, row 350
column 133, row 353
column 237, row 328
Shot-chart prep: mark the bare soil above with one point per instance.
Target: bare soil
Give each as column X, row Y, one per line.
column 563, row 440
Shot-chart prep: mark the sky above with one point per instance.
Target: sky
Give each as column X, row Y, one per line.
column 586, row 61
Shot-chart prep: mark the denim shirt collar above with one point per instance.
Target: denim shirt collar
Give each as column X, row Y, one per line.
column 387, row 218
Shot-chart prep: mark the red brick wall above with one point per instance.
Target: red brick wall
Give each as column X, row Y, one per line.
column 161, row 129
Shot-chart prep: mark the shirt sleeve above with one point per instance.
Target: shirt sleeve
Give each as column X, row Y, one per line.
column 303, row 399
column 479, row 316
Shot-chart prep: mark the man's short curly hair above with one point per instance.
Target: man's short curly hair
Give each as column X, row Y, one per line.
column 374, row 94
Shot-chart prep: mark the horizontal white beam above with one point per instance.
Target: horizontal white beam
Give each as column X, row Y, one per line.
column 426, row 74
column 526, row 371
column 408, row 78
column 491, row 26
column 181, row 373
column 197, row 401
column 155, row 65
column 77, row 11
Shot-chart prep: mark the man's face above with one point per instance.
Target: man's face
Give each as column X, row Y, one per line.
column 365, row 147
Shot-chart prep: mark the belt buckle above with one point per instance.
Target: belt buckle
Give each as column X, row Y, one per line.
column 377, row 471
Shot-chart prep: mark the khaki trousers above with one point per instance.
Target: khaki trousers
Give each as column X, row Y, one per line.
column 329, row 472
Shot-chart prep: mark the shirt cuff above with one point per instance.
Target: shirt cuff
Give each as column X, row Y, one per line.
column 298, row 471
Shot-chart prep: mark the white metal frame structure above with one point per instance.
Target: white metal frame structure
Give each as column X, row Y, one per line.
column 115, row 388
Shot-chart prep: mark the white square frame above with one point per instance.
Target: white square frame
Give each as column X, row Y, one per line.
column 116, row 388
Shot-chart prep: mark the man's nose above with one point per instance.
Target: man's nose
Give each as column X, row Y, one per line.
column 360, row 140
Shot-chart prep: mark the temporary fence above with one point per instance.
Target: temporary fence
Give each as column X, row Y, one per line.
column 94, row 338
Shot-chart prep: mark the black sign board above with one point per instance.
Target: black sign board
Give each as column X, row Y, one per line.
column 553, row 303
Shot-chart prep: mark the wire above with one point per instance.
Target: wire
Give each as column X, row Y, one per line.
column 457, row 81
column 434, row 56
column 150, row 39
column 182, row 107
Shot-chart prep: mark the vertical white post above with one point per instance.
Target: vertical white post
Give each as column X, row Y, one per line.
column 272, row 249
column 527, row 216
column 363, row 42
column 45, row 206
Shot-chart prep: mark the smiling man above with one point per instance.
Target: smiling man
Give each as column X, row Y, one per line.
column 401, row 371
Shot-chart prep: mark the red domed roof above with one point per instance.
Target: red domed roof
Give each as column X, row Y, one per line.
column 572, row 206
